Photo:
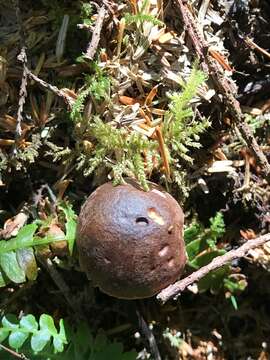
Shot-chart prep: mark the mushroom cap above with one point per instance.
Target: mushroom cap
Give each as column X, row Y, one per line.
column 130, row 242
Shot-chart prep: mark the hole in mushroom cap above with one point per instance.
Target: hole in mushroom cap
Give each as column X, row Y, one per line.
column 142, row 220
column 171, row 262
column 163, row 251
column 170, row 229
column 153, row 214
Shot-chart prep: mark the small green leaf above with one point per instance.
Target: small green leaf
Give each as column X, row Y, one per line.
column 2, row 280
column 214, row 280
column 194, row 248
column 62, row 331
column 23, row 239
column 3, row 334
column 25, row 235
column 11, row 268
column 217, row 226
column 40, row 339
column 10, row 321
column 192, row 232
column 17, row 338
column 29, row 323
column 234, row 285
column 71, row 225
column 27, row 262
column 58, row 344
column 206, row 258
column 60, row 339
column 234, row 302
column 46, row 323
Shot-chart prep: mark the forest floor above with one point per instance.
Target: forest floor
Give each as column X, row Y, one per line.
column 92, row 92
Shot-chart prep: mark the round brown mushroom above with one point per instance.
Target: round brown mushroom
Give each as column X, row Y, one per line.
column 130, row 242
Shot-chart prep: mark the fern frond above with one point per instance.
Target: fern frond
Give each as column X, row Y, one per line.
column 140, row 171
column 182, row 132
column 78, row 105
column 96, row 160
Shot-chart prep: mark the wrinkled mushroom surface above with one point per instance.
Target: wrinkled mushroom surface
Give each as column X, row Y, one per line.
column 130, row 242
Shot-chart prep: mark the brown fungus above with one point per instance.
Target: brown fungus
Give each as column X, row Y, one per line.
column 130, row 242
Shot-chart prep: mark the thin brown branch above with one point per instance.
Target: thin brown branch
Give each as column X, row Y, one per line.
column 252, row 44
column 93, row 45
column 14, row 353
column 23, row 88
column 54, row 89
column 175, row 290
column 221, row 83
column 22, row 94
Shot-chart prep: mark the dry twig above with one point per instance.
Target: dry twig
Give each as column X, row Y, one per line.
column 23, row 88
column 174, row 290
column 93, row 45
column 252, row 44
column 69, row 100
column 22, row 94
column 14, row 353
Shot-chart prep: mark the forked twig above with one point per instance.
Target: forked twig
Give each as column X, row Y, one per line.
column 175, row 290
column 54, row 89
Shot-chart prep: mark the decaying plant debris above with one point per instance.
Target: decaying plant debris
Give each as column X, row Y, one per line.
column 174, row 92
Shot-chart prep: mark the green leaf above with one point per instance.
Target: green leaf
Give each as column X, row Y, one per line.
column 194, row 248
column 17, row 338
column 234, row 302
column 234, row 285
column 217, row 226
column 58, row 344
column 213, row 280
column 46, row 323
column 10, row 321
column 40, row 339
column 60, row 339
column 2, row 280
column 26, row 239
column 206, row 258
column 25, row 235
column 27, row 262
column 23, row 239
column 11, row 268
column 29, row 323
column 3, row 334
column 192, row 232
column 62, row 331
column 71, row 225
